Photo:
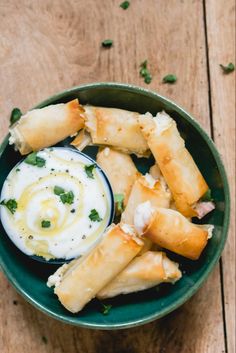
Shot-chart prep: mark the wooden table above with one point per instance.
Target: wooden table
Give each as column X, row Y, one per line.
column 47, row 46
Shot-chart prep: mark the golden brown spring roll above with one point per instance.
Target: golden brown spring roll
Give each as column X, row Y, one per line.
column 87, row 276
column 45, row 127
column 183, row 177
column 120, row 169
column 171, row 230
column 117, row 128
column 143, row 272
column 146, row 188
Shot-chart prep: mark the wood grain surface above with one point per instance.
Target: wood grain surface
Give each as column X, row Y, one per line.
column 47, row 46
column 221, row 39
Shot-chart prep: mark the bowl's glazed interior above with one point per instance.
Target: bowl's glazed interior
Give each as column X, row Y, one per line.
column 29, row 276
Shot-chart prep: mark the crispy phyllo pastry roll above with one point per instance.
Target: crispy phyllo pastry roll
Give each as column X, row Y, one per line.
column 120, row 169
column 182, row 175
column 80, row 282
column 143, row 272
column 171, row 230
column 146, row 188
column 40, row 128
column 117, row 128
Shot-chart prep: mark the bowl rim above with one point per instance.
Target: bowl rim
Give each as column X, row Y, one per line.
column 61, row 261
column 173, row 306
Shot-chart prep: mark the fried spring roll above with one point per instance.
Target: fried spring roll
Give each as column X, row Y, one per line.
column 81, row 281
column 171, row 230
column 146, row 188
column 40, row 128
column 117, row 128
column 120, row 169
column 143, row 272
column 176, row 164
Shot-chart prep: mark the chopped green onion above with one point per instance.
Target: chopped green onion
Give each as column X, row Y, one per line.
column 45, row 224
column 124, row 5
column 15, row 116
column 58, row 190
column 67, row 197
column 145, row 73
column 107, row 43
column 227, row 69
column 11, row 205
column 169, row 79
column 89, row 170
column 94, row 216
column 33, row 159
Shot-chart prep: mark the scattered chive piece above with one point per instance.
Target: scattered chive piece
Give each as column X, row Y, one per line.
column 207, row 196
column 67, row 197
column 15, row 116
column 58, row 190
column 119, row 200
column 45, row 224
column 94, row 216
column 169, row 79
column 10, row 204
column 17, row 169
column 89, row 170
column 145, row 73
column 44, row 339
column 124, row 5
column 33, row 159
column 106, row 308
column 148, row 79
column 107, row 43
column 227, row 69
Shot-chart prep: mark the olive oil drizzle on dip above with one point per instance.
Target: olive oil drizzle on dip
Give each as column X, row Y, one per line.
column 54, row 204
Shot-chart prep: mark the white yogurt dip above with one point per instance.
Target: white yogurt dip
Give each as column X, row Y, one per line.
column 62, row 204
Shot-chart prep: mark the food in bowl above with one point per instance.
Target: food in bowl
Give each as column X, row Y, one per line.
column 83, row 279
column 114, row 127
column 155, row 209
column 40, row 128
column 63, row 204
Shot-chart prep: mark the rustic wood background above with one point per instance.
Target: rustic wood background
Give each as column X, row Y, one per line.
column 47, row 46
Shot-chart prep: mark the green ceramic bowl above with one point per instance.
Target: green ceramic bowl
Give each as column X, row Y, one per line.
column 29, row 277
